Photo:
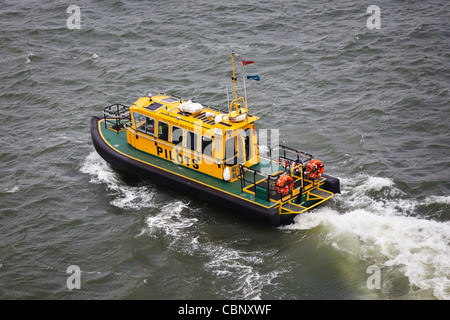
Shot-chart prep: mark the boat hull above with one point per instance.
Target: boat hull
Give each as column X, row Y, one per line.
column 267, row 216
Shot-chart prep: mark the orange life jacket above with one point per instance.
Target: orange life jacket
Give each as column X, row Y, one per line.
column 284, row 184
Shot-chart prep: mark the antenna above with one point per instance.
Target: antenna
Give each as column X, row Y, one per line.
column 228, row 99
column 245, row 93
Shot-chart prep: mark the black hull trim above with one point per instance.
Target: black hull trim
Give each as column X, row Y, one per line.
column 186, row 186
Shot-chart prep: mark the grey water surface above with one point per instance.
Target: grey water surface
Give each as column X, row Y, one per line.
column 372, row 104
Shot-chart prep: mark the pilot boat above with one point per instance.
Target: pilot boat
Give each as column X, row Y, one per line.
column 212, row 155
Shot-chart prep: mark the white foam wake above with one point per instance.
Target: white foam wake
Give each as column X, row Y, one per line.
column 371, row 223
column 169, row 222
column 238, row 270
column 12, row 189
column 123, row 195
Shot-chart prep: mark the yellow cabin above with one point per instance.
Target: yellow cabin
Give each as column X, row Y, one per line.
column 198, row 137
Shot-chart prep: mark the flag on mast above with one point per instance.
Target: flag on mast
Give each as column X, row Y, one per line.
column 255, row 77
column 244, row 63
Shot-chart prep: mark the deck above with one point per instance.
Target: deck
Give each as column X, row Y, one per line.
column 261, row 192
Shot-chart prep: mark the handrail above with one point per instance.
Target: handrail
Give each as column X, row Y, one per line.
column 267, row 177
column 117, row 116
column 299, row 166
column 236, row 105
column 241, row 176
column 119, row 111
column 296, row 152
column 252, row 180
column 307, row 208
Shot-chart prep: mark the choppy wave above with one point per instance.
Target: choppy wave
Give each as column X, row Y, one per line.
column 374, row 224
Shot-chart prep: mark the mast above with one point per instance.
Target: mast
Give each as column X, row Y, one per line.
column 234, row 76
column 237, row 112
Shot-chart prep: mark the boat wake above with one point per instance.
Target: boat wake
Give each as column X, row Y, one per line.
column 238, row 272
column 123, row 195
column 374, row 223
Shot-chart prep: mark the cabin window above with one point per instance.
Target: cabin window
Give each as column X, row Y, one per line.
column 246, row 135
column 177, row 135
column 230, row 151
column 207, row 146
column 163, row 131
column 144, row 124
column 240, row 144
column 191, row 141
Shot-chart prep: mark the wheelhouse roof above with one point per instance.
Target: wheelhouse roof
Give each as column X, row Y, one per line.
column 166, row 106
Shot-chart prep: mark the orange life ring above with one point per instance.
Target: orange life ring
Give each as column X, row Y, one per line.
column 284, row 184
column 314, row 169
